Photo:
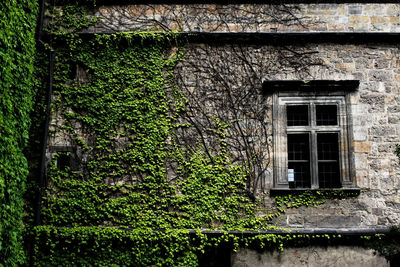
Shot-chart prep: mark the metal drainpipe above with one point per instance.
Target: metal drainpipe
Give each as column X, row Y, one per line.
column 39, row 27
column 42, row 184
column 41, row 44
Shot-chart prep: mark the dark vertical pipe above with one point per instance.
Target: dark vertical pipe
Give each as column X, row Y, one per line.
column 37, row 204
column 42, row 173
column 39, row 27
column 42, row 183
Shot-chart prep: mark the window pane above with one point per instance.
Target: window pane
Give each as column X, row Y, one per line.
column 328, row 146
column 299, row 159
column 298, row 147
column 297, row 115
column 301, row 174
column 328, row 175
column 326, row 114
column 328, row 160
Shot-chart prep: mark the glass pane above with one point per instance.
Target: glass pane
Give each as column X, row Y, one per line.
column 328, row 175
column 326, row 114
column 328, row 146
column 299, row 159
column 297, row 115
column 298, row 147
column 328, row 160
column 301, row 174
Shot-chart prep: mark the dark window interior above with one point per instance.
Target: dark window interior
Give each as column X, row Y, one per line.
column 326, row 114
column 64, row 161
column 297, row 115
column 299, row 159
column 72, row 70
column 219, row 256
column 328, row 160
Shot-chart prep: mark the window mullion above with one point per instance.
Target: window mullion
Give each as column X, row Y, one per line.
column 313, row 148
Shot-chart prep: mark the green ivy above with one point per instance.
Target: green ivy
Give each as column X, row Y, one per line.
column 94, row 246
column 387, row 245
column 17, row 52
column 69, row 19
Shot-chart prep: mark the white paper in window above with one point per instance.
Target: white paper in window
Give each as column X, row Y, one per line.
column 291, row 175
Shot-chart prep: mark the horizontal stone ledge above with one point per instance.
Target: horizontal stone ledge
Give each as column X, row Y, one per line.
column 284, row 191
column 222, row 2
column 350, row 231
column 282, row 38
column 290, row 231
column 270, row 86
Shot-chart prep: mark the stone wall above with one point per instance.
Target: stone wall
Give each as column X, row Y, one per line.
column 374, row 113
column 250, row 18
column 310, row 256
column 208, row 71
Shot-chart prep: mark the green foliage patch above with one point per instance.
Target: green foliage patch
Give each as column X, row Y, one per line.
column 94, row 246
column 127, row 109
column 17, row 52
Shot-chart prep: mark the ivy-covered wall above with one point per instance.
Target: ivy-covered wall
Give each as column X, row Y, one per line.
column 139, row 169
column 17, row 53
column 135, row 193
column 122, row 186
column 119, row 115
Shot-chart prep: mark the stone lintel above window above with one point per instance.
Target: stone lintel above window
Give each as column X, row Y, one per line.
column 272, row 86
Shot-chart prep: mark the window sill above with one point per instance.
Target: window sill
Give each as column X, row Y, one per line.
column 347, row 192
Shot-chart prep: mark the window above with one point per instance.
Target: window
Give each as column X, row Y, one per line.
column 64, row 161
column 66, row 158
column 311, row 137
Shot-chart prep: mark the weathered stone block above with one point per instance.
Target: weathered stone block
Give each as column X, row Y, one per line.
column 332, row 221
column 361, row 161
column 355, row 10
column 355, row 20
column 362, row 147
column 382, row 130
column 394, row 119
column 296, row 220
column 379, row 20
